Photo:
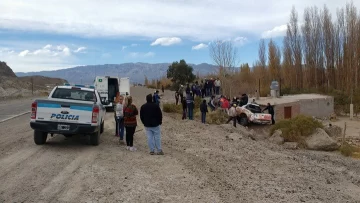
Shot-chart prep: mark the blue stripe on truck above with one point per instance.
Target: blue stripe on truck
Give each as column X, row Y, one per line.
column 45, row 105
column 81, row 108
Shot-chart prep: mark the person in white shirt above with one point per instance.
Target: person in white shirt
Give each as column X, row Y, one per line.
column 119, row 116
column 217, row 86
column 232, row 115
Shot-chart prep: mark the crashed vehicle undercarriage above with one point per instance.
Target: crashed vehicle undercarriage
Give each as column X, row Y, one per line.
column 251, row 113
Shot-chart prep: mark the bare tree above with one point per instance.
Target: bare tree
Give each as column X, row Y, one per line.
column 339, row 47
column 329, row 47
column 312, row 47
column 295, row 43
column 224, row 54
column 287, row 65
column 351, row 68
column 274, row 61
column 262, row 54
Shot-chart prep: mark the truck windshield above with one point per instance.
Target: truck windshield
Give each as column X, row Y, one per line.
column 74, row 94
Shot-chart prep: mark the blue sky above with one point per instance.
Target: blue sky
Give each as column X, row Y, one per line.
column 63, row 33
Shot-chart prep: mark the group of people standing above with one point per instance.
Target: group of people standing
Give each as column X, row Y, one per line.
column 125, row 113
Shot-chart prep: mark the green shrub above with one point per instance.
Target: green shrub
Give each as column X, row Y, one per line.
column 346, row 149
column 172, row 108
column 296, row 129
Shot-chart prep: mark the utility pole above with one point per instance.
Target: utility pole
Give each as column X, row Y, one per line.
column 32, row 85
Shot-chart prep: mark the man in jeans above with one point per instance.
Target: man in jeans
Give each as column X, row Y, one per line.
column 151, row 117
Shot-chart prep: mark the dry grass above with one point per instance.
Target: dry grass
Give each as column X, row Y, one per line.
column 216, row 117
column 349, row 150
column 297, row 129
column 172, row 108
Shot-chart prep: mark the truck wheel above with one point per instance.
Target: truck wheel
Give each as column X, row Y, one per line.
column 243, row 120
column 40, row 137
column 95, row 138
column 102, row 127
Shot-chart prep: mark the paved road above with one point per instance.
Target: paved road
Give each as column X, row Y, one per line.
column 14, row 107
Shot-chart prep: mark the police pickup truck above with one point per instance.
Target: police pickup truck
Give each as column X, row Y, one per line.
column 69, row 110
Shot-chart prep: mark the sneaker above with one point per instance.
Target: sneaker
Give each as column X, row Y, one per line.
column 152, row 153
column 133, row 149
column 127, row 148
column 160, row 153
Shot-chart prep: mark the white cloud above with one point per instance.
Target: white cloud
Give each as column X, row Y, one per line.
column 134, row 45
column 199, row 46
column 141, row 54
column 153, row 19
column 47, row 46
column 149, row 54
column 241, row 40
column 166, row 41
column 275, row 32
column 80, row 49
column 123, row 48
column 24, row 53
column 48, row 57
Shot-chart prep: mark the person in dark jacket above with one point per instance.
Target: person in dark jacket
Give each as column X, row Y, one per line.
column 190, row 105
column 177, row 97
column 203, row 110
column 156, row 98
column 202, row 89
column 271, row 112
column 151, row 117
column 184, row 107
column 188, row 89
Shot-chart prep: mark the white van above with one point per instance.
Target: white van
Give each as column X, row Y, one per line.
column 107, row 87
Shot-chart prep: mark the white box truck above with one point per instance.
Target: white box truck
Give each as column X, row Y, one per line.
column 107, row 87
column 124, row 85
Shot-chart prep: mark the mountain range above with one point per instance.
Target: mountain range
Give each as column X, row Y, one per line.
column 136, row 72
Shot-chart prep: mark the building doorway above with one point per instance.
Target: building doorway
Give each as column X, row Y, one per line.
column 287, row 112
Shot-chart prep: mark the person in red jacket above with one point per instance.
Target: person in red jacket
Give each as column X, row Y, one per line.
column 130, row 123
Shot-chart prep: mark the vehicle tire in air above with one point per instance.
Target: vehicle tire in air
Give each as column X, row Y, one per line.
column 95, row 138
column 40, row 137
column 243, row 120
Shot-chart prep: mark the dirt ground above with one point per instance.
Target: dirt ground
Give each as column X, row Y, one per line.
column 199, row 165
column 352, row 126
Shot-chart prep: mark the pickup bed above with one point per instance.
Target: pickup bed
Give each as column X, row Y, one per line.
column 68, row 110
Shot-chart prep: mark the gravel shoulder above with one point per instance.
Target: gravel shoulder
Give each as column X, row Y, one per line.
column 200, row 165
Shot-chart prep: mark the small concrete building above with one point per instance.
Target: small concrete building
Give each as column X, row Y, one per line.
column 286, row 107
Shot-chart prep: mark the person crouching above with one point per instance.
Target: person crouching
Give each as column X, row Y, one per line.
column 232, row 115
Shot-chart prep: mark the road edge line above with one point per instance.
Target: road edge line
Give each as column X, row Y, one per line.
column 12, row 117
